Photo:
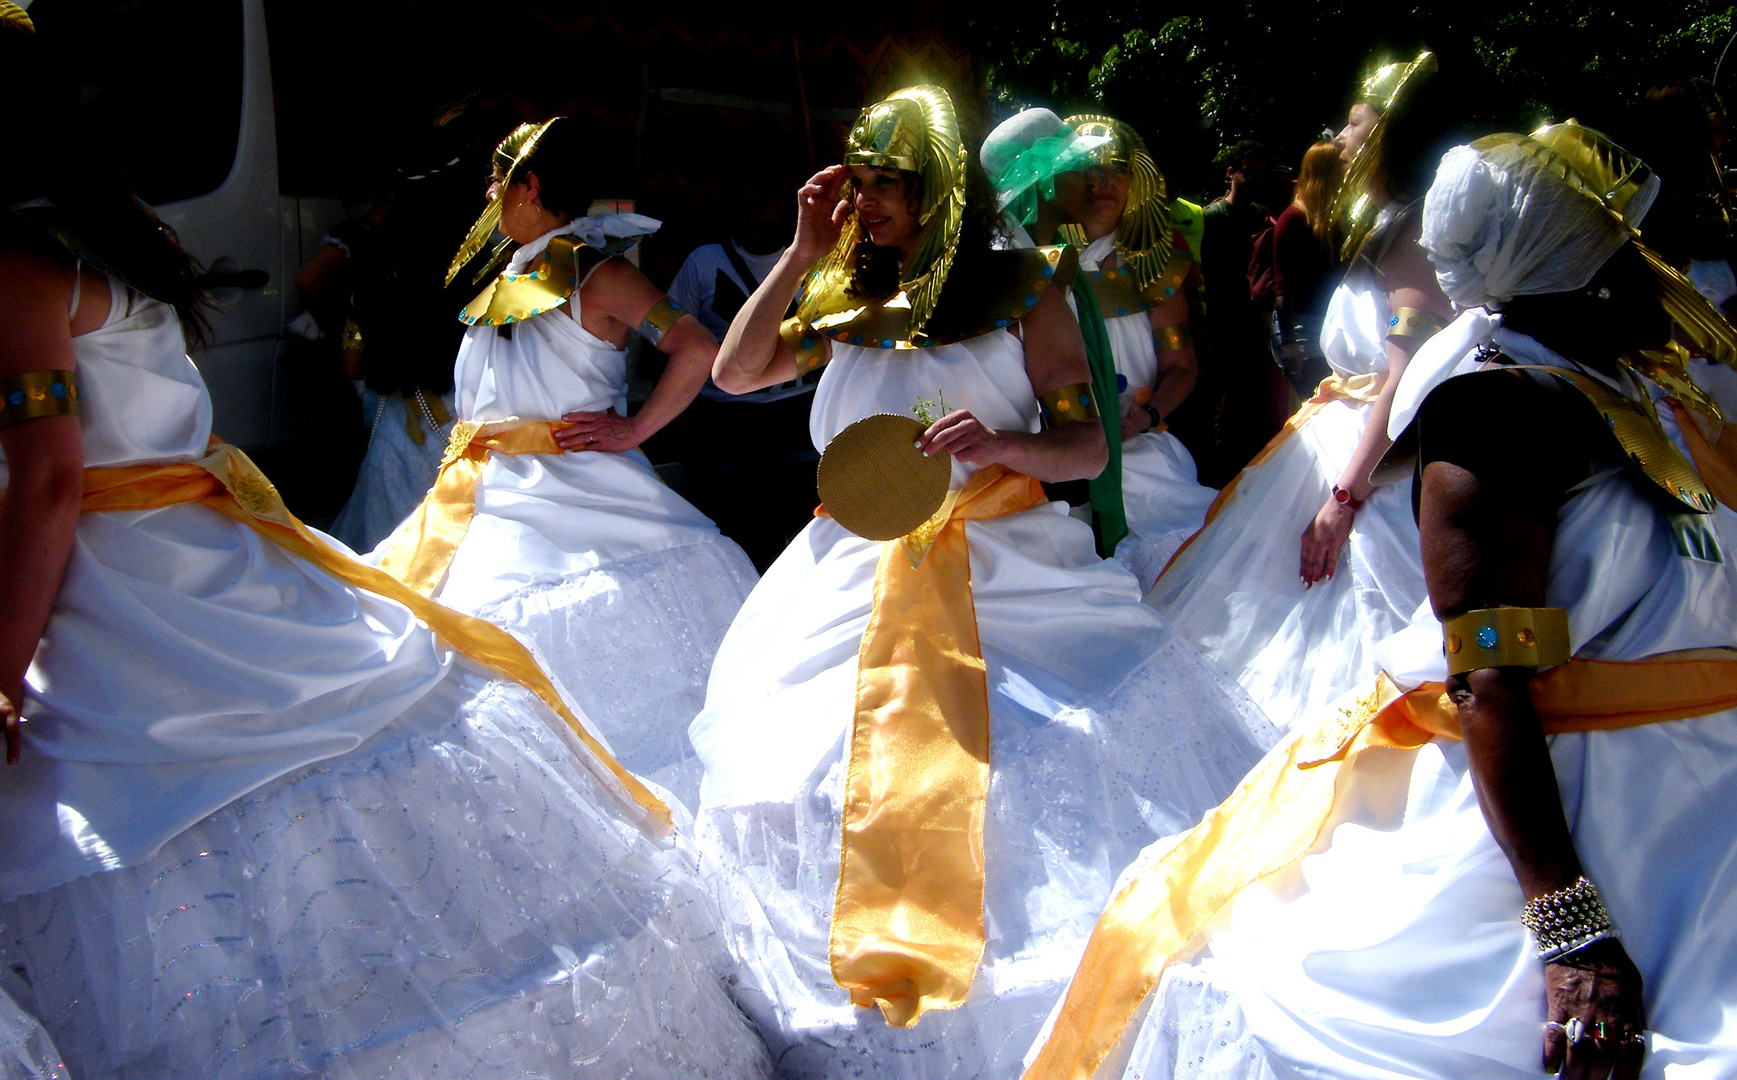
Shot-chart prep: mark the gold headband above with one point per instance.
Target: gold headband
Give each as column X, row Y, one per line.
column 1387, row 91
column 914, row 130
column 1143, row 236
column 510, row 153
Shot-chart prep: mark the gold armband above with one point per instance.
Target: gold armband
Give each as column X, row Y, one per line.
column 35, row 394
column 351, row 341
column 1415, row 323
column 1171, row 339
column 1506, row 637
column 659, row 319
column 806, row 344
column 1068, row 405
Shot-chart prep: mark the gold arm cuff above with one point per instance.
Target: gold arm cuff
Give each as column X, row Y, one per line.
column 34, row 394
column 806, row 343
column 1171, row 339
column 1506, row 637
column 1068, row 405
column 1414, row 323
column 352, row 337
column 659, row 319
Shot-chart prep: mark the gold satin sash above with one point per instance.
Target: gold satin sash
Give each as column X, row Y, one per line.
column 1280, row 810
column 419, row 551
column 1716, row 461
column 231, row 484
column 1363, row 388
column 907, row 927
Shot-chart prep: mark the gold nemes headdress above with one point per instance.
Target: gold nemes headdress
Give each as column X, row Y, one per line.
column 1593, row 165
column 12, row 13
column 509, row 154
column 1387, row 91
column 916, row 131
column 1143, row 236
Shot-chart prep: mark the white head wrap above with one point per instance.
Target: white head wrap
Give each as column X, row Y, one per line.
column 1498, row 224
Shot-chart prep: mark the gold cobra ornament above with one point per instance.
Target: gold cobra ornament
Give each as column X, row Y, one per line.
column 915, row 131
column 1144, row 234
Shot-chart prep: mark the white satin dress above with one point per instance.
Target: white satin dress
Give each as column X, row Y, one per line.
column 1161, row 491
column 617, row 583
column 266, row 824
column 1395, row 949
column 1106, row 729
column 1236, row 591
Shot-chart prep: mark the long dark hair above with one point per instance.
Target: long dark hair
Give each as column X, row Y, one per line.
column 60, row 195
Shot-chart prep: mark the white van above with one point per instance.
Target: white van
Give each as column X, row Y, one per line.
column 182, row 92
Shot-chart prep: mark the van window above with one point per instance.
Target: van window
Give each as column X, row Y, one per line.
column 159, row 86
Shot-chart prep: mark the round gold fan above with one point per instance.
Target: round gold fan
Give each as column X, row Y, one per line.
column 875, row 482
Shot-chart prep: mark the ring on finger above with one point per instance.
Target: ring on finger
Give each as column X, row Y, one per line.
column 1575, row 1030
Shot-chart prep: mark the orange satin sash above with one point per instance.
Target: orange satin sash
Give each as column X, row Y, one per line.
column 228, row 482
column 1279, row 811
column 419, row 551
column 907, row 927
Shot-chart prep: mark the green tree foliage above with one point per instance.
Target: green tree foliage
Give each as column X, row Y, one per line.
column 1193, row 80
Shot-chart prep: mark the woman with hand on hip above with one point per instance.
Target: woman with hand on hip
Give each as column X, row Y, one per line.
column 546, row 518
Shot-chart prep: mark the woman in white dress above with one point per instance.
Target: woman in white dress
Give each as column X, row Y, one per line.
column 261, row 821
column 1498, row 854
column 1294, row 629
column 1091, row 181
column 547, row 519
column 1139, row 273
column 926, row 758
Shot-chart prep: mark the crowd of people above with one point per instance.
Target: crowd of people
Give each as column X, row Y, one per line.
column 1231, row 641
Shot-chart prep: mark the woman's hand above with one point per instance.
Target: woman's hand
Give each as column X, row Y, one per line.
column 820, row 214
column 606, row 431
column 965, row 437
column 1324, row 539
column 1598, row 984
column 13, row 721
column 1136, row 421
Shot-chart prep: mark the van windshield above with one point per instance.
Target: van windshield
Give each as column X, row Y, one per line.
column 159, row 86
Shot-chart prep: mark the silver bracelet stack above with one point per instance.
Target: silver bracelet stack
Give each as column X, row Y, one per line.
column 1567, row 920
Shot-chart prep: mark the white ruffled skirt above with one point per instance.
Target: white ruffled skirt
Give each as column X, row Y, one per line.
column 620, row 587
column 1397, row 951
column 1164, row 500
column 1237, row 592
column 1106, row 730
column 457, row 897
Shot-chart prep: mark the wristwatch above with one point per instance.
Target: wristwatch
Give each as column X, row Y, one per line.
column 1343, row 498
column 1157, row 420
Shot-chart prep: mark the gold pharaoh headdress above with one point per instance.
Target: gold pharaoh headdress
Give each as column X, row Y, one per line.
column 1387, row 91
column 914, row 130
column 1143, row 236
column 1593, row 165
column 509, row 153
column 12, row 13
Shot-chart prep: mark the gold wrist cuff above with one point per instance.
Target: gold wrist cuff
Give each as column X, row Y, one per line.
column 34, row 394
column 351, row 341
column 1414, row 323
column 1506, row 637
column 659, row 319
column 1068, row 405
column 1171, row 339
column 806, row 343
